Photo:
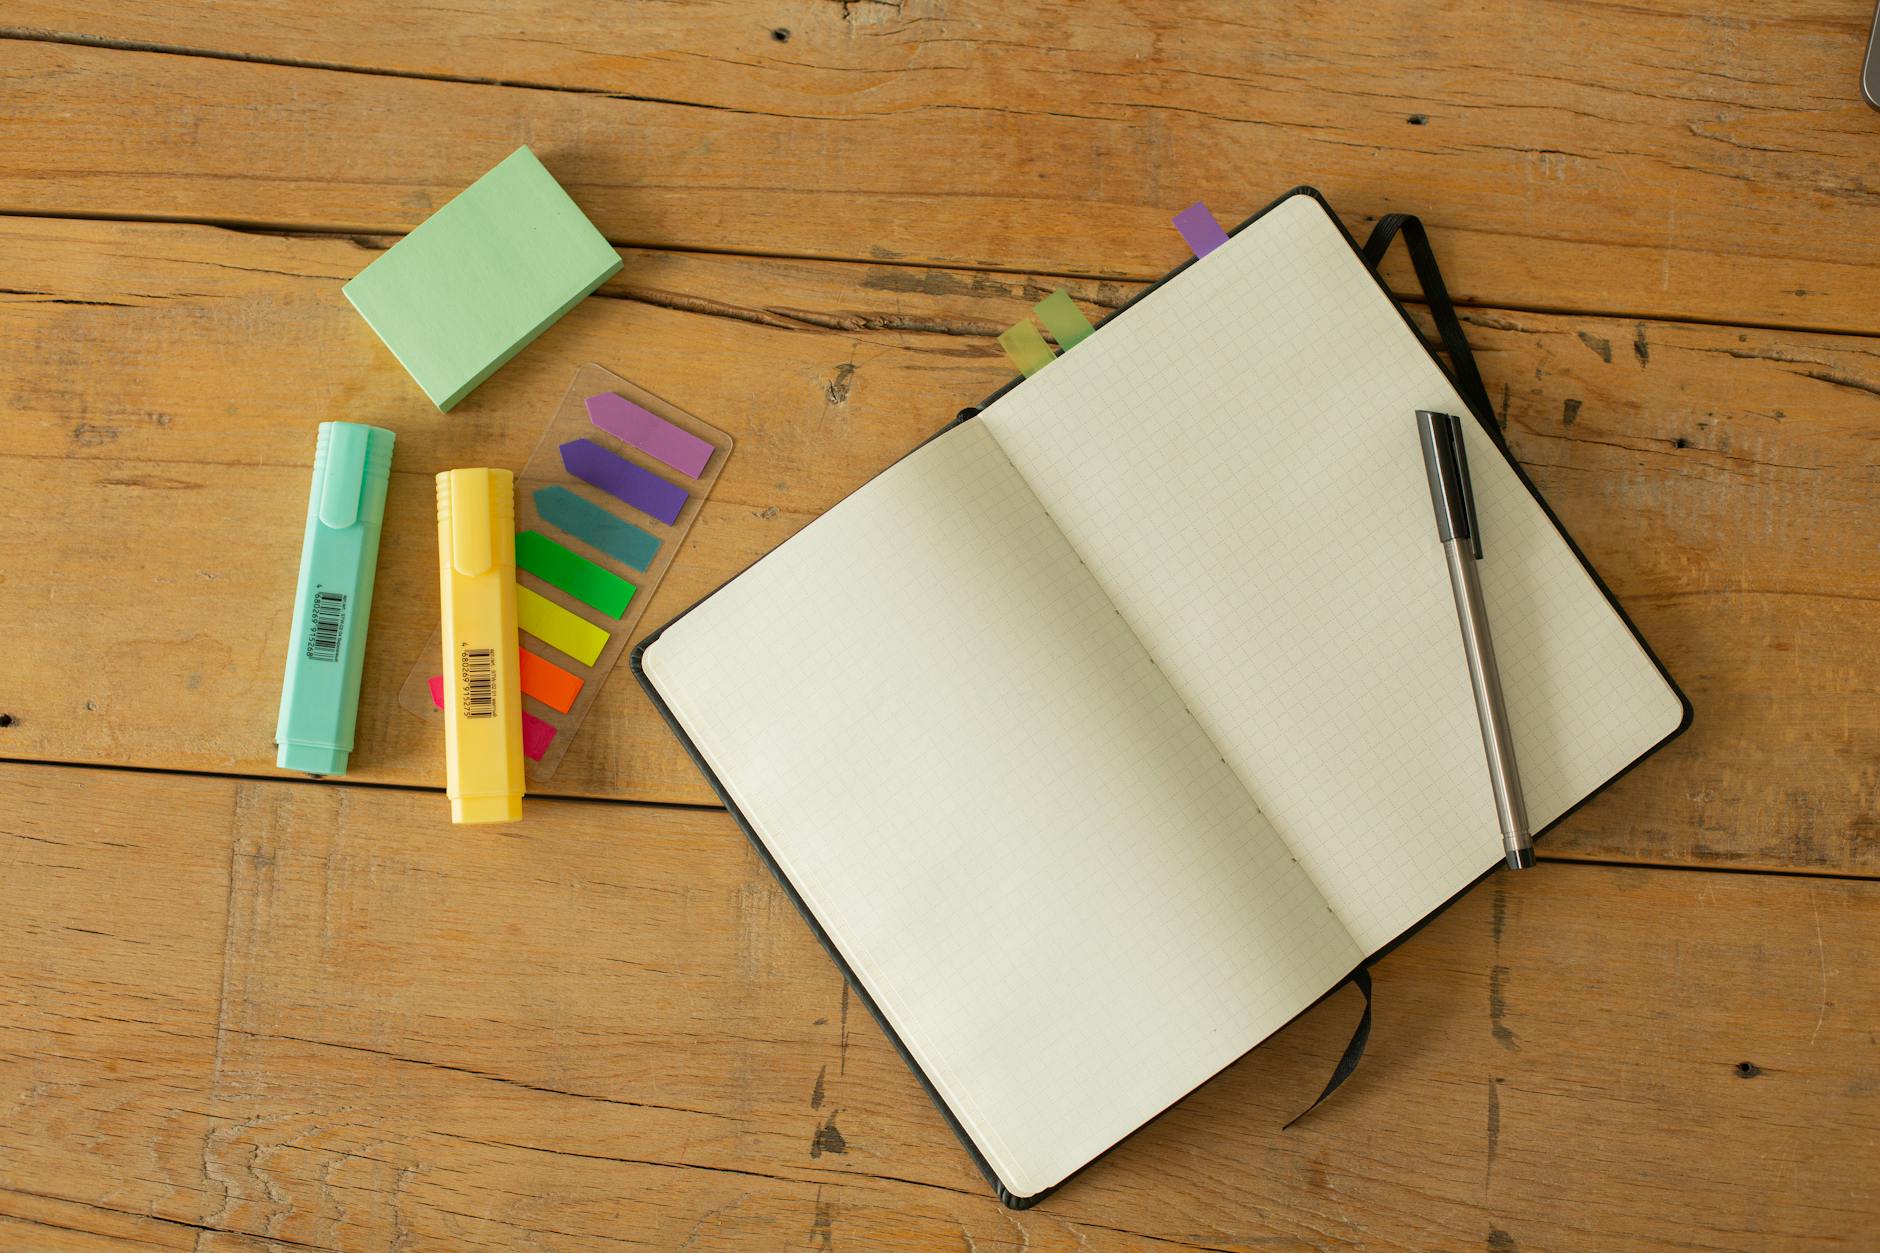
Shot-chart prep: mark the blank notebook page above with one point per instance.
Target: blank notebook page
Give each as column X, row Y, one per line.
column 1236, row 458
column 1020, row 841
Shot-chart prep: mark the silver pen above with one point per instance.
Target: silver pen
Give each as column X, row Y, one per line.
column 1461, row 536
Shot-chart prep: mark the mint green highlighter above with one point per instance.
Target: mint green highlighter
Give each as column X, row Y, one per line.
column 352, row 464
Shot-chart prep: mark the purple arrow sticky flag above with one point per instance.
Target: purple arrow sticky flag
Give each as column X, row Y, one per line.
column 1199, row 229
column 650, row 433
column 620, row 478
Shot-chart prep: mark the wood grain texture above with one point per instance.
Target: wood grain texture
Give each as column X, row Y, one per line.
column 164, row 381
column 1712, row 160
column 244, row 1013
column 321, row 1017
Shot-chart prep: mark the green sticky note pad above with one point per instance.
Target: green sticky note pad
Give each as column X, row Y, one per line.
column 572, row 573
column 481, row 277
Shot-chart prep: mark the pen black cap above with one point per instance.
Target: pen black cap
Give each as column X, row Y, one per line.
column 1447, row 465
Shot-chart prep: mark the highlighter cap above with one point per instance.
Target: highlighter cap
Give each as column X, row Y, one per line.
column 352, row 463
column 352, row 466
column 476, row 514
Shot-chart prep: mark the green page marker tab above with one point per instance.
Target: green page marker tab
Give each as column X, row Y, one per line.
column 573, row 574
column 1026, row 347
column 477, row 280
column 1066, row 322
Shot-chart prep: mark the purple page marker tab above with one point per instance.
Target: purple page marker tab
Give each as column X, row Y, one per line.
column 650, row 433
column 1199, row 229
column 623, row 480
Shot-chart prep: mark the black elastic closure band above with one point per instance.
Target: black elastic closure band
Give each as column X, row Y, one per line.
column 1354, row 1051
column 1442, row 308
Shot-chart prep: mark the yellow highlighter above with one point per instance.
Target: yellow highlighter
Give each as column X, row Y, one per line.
column 476, row 562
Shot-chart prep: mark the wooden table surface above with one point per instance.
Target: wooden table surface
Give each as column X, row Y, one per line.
column 241, row 1011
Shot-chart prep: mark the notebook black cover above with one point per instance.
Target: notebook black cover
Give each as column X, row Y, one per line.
column 1477, row 408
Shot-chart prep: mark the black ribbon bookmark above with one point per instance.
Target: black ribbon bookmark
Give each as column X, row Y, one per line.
column 1442, row 308
column 1354, row 1051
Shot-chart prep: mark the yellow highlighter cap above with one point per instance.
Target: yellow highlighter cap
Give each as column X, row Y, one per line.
column 479, row 509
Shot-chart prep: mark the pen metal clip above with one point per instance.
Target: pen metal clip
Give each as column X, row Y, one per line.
column 1468, row 488
column 1447, row 464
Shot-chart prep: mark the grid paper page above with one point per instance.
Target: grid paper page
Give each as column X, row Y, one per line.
column 999, row 810
column 1236, row 458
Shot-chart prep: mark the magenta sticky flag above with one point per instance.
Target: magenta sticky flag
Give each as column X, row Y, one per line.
column 650, row 433
column 537, row 735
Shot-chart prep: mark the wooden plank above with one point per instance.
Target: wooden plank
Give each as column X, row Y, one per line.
column 164, row 382
column 1712, row 162
column 51, row 1225
column 319, row 1015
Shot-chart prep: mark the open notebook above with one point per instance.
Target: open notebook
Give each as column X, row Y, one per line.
column 1111, row 728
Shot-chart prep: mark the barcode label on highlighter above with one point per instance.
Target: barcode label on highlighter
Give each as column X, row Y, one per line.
column 478, row 667
column 329, row 618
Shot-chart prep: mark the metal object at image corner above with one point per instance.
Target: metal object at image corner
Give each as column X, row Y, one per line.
column 1870, row 66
